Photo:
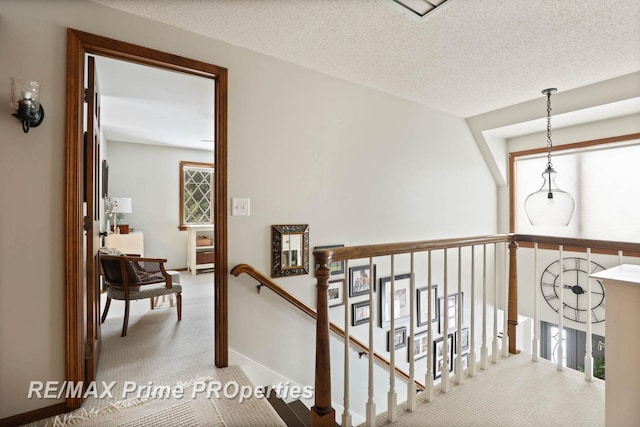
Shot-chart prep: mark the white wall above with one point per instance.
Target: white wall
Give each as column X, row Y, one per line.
column 150, row 175
column 372, row 169
column 367, row 167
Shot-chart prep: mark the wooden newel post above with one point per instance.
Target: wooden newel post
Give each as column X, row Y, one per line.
column 513, row 296
column 322, row 414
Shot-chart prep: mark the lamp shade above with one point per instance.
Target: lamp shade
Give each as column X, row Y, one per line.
column 122, row 204
column 549, row 205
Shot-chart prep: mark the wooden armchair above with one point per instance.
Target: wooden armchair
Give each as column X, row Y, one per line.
column 132, row 278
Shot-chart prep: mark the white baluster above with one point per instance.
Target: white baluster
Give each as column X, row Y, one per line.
column 494, row 349
column 458, row 366
column 560, row 352
column 484, row 350
column 620, row 257
column 411, row 385
column 346, row 414
column 472, row 351
column 392, row 398
column 505, row 319
column 428, row 376
column 444, row 372
column 371, row 404
column 588, row 355
column 535, row 342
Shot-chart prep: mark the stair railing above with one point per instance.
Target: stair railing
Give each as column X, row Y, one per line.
column 322, row 413
column 358, row 345
column 563, row 245
column 501, row 345
column 485, row 280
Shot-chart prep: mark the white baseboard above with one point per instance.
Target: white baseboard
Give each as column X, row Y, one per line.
column 261, row 375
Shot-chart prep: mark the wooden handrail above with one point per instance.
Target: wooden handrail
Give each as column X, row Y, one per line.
column 578, row 245
column 266, row 281
column 385, row 249
column 366, row 251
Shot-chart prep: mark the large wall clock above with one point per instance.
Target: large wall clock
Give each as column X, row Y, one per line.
column 574, row 291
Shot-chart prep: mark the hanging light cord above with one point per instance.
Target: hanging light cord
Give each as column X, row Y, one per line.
column 548, row 92
column 549, row 143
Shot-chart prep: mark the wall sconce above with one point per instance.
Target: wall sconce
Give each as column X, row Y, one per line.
column 25, row 98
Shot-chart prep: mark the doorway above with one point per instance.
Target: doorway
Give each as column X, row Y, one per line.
column 79, row 44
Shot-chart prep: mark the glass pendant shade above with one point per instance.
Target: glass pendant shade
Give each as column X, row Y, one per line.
column 549, row 205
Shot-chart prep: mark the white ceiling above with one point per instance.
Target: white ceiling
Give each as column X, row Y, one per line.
column 466, row 58
column 136, row 107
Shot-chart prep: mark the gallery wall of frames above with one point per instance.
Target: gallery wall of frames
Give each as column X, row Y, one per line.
column 359, row 279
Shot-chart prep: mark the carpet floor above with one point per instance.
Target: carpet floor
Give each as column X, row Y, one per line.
column 515, row 392
column 161, row 353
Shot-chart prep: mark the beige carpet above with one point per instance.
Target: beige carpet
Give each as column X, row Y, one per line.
column 513, row 393
column 160, row 351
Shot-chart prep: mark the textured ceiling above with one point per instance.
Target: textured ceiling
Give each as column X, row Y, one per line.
column 466, row 58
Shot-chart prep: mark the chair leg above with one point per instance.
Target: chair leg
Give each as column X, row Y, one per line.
column 106, row 310
column 152, row 301
column 126, row 318
column 179, row 305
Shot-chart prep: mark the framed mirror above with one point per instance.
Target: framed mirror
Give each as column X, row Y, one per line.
column 289, row 250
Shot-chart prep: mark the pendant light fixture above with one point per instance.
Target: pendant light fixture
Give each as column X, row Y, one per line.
column 549, row 205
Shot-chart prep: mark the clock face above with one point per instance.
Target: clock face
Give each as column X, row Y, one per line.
column 574, row 291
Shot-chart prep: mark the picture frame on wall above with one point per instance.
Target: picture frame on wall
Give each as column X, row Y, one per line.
column 335, row 267
column 399, row 338
column 452, row 309
column 465, row 360
column 464, row 338
column 439, row 359
column 335, row 292
column 360, row 313
column 420, row 346
column 360, row 278
column 422, row 305
column 402, row 287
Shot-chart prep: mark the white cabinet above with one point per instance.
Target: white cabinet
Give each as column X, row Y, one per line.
column 200, row 248
column 131, row 243
column 622, row 285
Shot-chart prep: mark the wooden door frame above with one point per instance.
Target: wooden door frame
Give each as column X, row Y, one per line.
column 80, row 43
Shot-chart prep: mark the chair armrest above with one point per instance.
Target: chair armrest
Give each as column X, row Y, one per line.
column 136, row 270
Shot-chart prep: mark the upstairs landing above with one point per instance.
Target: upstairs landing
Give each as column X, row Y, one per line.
column 513, row 392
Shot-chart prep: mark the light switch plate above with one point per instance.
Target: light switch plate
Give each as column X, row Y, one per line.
column 240, row 206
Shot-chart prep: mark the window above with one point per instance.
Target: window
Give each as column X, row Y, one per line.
column 574, row 348
column 603, row 180
column 196, row 194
